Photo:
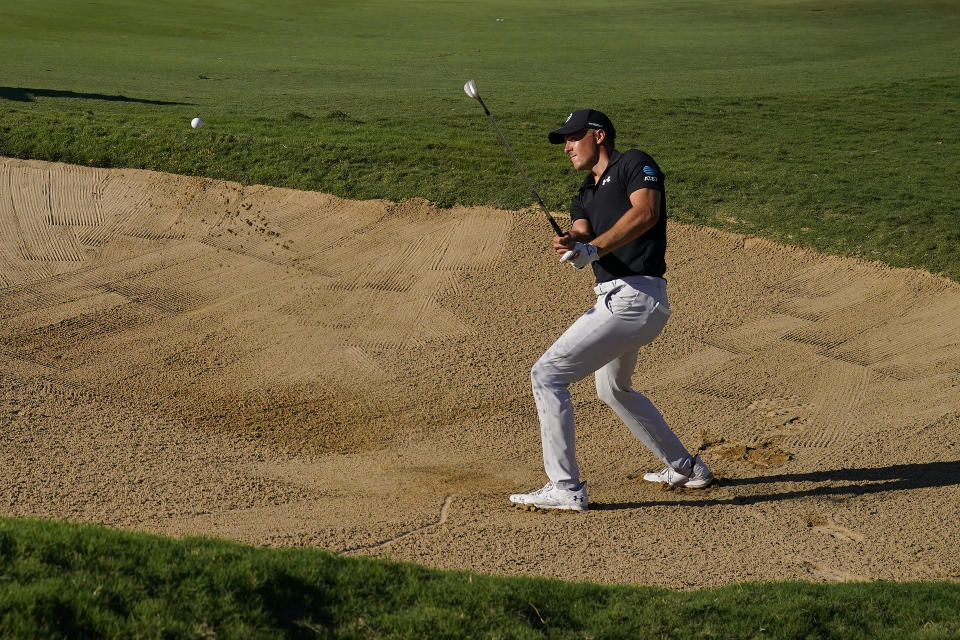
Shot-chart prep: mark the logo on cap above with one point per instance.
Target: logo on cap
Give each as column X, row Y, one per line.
column 568, row 118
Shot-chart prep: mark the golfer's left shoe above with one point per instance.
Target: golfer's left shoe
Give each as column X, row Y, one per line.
column 699, row 476
column 552, row 497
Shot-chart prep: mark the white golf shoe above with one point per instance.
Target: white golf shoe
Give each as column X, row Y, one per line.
column 552, row 497
column 700, row 476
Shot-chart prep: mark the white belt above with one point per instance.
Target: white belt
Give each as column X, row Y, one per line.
column 639, row 281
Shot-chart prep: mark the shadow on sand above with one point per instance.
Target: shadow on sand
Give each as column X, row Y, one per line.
column 842, row 483
column 23, row 94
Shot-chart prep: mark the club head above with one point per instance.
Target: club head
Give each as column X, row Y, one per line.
column 470, row 88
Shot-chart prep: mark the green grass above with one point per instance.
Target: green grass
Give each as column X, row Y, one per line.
column 830, row 125
column 826, row 124
column 73, row 581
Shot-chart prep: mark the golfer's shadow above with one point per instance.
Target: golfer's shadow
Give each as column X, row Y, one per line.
column 839, row 482
column 23, row 94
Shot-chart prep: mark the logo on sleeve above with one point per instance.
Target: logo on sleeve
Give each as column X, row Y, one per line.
column 649, row 170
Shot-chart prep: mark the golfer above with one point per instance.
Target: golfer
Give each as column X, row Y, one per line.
column 618, row 226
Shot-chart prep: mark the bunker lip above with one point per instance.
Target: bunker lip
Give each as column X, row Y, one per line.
column 187, row 356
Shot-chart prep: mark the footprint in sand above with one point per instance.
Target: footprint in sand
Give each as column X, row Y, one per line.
column 825, row 524
column 786, row 415
column 831, row 574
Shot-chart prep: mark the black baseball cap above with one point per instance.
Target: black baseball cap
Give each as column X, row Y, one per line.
column 580, row 120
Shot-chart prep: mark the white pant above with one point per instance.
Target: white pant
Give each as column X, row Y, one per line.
column 629, row 313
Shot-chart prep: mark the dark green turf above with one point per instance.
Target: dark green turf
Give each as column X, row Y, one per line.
column 827, row 124
column 831, row 125
column 70, row 581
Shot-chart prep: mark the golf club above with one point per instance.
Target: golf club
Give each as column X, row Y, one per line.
column 470, row 88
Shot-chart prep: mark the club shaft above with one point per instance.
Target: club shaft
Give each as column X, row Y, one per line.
column 543, row 207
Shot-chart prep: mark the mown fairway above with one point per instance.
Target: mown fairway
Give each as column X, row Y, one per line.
column 826, row 124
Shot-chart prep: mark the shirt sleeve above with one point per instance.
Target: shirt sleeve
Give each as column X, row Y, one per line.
column 577, row 211
column 641, row 172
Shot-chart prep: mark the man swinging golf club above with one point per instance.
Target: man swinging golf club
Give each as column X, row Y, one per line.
column 618, row 226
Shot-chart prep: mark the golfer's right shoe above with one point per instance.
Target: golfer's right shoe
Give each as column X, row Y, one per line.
column 552, row 497
column 699, row 478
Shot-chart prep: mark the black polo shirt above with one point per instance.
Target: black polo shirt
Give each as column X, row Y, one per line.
column 602, row 203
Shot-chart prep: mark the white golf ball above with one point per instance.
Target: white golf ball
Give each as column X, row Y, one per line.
column 196, row 123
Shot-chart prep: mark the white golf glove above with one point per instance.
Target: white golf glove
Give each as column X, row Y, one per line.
column 581, row 255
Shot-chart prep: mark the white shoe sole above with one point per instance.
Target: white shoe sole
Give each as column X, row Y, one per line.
column 543, row 507
column 690, row 484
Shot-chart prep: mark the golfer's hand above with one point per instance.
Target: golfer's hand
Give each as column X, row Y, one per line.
column 564, row 243
column 580, row 255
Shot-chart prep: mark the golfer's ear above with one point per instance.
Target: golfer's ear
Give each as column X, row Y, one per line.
column 600, row 136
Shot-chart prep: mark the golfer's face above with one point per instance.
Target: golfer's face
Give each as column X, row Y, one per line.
column 582, row 149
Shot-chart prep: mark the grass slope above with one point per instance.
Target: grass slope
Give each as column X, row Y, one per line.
column 830, row 125
column 73, row 581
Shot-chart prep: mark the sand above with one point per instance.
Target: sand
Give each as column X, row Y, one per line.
column 194, row 357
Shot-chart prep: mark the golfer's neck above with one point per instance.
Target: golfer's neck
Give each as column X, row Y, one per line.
column 601, row 165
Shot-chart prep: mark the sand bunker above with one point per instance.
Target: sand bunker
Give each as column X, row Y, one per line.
column 188, row 356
